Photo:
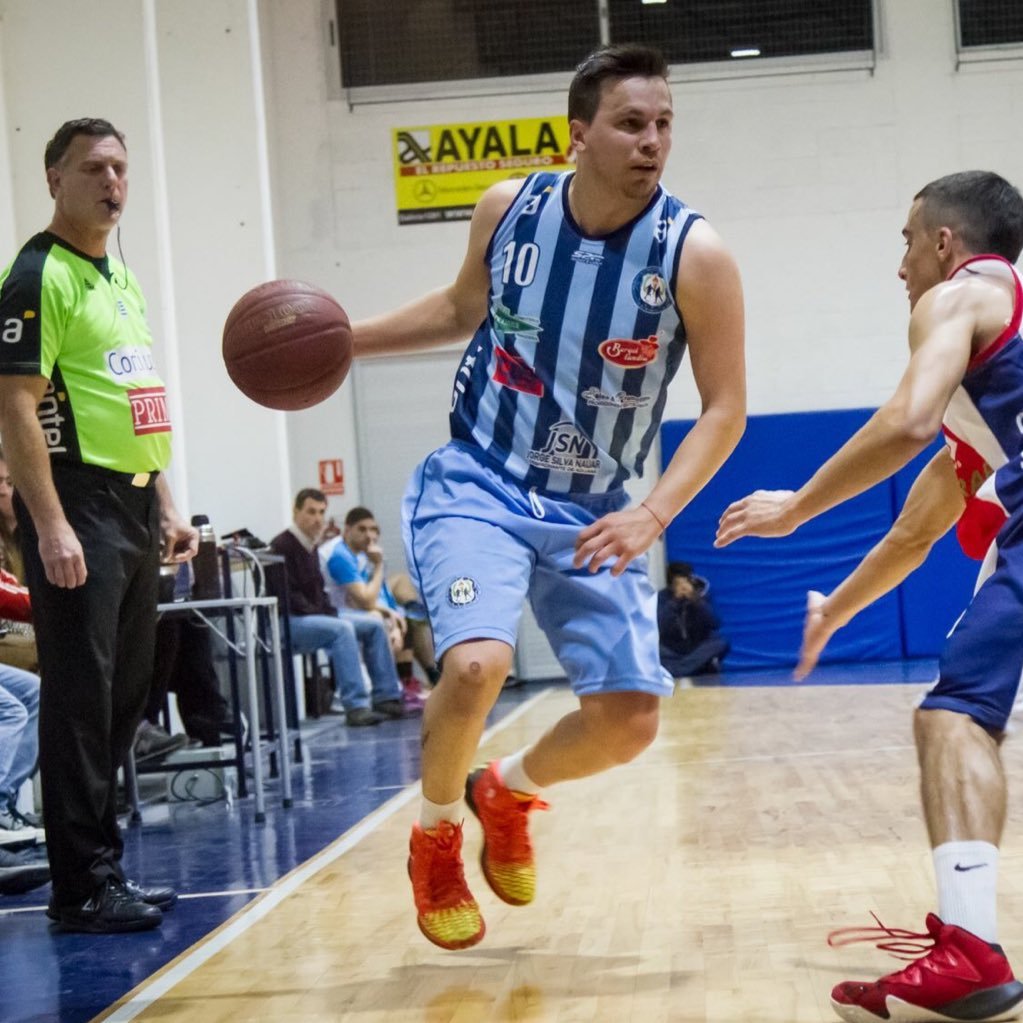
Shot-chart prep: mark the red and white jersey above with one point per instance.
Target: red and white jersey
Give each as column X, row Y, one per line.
column 983, row 424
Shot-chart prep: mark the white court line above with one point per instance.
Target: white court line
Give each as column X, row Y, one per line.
column 190, row 895
column 253, row 913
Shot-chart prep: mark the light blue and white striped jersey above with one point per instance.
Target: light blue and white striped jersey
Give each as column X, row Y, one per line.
column 564, row 383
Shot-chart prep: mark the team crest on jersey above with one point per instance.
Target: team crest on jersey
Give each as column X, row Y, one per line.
column 510, row 370
column 601, row 399
column 650, row 290
column 463, row 591
column 629, row 352
column 506, row 322
column 567, row 449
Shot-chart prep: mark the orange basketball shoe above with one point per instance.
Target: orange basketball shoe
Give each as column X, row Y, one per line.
column 507, row 856
column 447, row 912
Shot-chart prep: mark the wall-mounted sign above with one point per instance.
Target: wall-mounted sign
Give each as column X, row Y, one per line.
column 441, row 170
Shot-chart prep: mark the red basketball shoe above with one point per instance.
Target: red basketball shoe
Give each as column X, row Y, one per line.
column 447, row 913
column 956, row 976
column 507, row 856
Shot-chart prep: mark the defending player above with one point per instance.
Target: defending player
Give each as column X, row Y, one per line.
column 965, row 375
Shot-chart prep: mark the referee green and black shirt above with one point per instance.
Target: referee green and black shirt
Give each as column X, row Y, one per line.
column 80, row 322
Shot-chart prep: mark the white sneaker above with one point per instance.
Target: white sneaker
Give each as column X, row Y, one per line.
column 18, row 827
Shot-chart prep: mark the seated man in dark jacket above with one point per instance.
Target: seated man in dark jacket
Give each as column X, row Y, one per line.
column 315, row 624
column 690, row 642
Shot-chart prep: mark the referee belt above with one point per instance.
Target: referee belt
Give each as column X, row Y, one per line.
column 143, row 480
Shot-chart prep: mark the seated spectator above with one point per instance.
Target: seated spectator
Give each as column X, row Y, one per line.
column 17, row 638
column 19, row 743
column 420, row 635
column 183, row 666
column 315, row 624
column 19, row 716
column 689, row 641
column 354, row 570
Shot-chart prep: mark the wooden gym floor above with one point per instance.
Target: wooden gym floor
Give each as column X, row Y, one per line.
column 695, row 885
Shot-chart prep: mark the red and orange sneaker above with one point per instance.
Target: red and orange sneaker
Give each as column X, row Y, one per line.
column 447, row 912
column 956, row 976
column 507, row 856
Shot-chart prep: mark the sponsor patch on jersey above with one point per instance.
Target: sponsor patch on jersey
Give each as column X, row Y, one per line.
column 511, row 371
column 149, row 410
column 463, row 591
column 588, row 258
column 650, row 290
column 601, row 399
column 130, row 364
column 567, row 449
column 506, row 322
column 51, row 421
column 629, row 352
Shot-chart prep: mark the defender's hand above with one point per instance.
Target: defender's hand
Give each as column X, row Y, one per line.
column 818, row 628
column 762, row 513
column 621, row 535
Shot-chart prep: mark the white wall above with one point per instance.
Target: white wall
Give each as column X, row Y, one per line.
column 807, row 177
column 177, row 78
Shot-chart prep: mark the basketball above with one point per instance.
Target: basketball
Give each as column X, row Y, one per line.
column 287, row 345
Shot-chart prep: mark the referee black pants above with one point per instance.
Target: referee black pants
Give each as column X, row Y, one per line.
column 96, row 662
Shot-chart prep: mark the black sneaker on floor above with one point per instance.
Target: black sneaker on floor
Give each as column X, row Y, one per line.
column 360, row 717
column 390, row 708
column 152, row 742
column 21, row 872
column 111, row 909
column 163, row 896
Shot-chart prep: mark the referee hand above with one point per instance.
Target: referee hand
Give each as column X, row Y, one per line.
column 62, row 557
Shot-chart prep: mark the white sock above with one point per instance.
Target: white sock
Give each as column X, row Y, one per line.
column 967, row 876
column 513, row 773
column 431, row 814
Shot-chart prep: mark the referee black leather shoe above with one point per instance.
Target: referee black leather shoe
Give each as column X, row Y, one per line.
column 163, row 897
column 111, row 909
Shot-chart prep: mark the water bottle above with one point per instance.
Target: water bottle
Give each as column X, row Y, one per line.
column 205, row 564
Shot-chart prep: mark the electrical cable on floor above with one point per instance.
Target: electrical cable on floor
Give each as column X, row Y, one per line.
column 185, row 792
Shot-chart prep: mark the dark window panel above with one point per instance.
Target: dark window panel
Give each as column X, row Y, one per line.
column 990, row 22
column 407, row 41
column 413, row 41
column 690, row 31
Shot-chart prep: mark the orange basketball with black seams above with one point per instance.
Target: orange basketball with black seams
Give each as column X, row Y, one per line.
column 287, row 345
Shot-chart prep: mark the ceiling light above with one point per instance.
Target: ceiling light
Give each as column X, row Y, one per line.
column 750, row 51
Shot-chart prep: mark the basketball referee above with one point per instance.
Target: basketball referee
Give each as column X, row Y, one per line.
column 83, row 416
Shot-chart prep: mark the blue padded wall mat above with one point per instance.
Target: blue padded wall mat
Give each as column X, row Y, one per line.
column 758, row 587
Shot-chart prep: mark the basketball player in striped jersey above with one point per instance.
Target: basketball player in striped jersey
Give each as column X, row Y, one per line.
column 581, row 292
column 965, row 375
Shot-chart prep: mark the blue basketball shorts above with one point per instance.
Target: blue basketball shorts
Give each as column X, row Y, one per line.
column 478, row 544
column 982, row 663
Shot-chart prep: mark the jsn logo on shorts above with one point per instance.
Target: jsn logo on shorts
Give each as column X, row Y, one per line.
column 627, row 352
column 463, row 591
column 149, row 410
column 567, row 449
column 130, row 364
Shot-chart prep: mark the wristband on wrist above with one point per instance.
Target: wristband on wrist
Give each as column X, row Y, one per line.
column 657, row 517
